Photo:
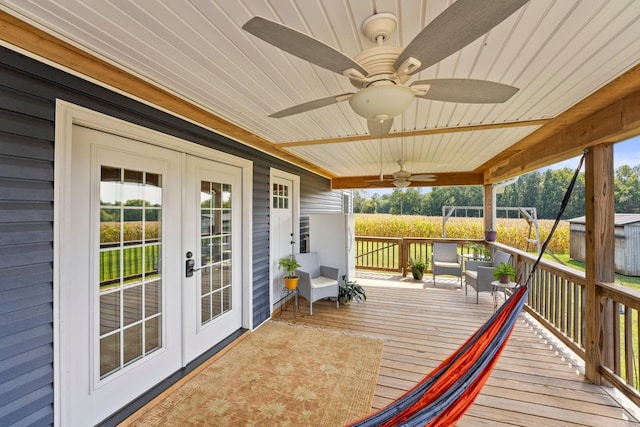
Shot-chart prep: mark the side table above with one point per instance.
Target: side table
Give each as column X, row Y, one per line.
column 499, row 286
column 284, row 297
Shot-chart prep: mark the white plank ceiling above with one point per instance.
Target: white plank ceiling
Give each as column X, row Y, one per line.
column 555, row 52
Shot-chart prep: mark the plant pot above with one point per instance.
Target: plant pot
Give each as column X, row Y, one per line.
column 291, row 282
column 490, row 236
column 505, row 278
column 417, row 273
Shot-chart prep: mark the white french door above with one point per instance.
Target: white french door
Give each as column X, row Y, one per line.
column 129, row 314
column 282, row 233
column 213, row 295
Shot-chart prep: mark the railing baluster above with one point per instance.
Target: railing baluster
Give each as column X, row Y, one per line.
column 616, row 339
column 629, row 362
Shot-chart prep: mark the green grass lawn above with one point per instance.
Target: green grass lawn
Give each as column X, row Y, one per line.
column 631, row 281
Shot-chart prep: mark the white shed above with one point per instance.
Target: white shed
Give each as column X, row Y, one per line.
column 627, row 242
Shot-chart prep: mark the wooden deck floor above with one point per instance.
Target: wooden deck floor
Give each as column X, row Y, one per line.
column 532, row 384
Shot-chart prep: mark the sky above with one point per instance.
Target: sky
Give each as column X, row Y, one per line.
column 624, row 153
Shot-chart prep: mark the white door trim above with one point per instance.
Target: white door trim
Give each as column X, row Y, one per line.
column 68, row 115
column 295, row 207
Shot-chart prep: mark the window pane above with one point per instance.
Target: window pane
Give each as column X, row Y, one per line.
column 152, row 298
column 109, row 354
column 109, row 312
column 153, row 337
column 132, row 305
column 132, row 343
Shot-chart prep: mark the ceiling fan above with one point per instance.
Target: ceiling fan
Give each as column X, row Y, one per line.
column 380, row 73
column 403, row 178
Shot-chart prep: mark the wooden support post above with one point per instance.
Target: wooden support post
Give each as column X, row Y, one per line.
column 599, row 258
column 489, row 208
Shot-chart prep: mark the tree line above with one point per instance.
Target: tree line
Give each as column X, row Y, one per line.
column 542, row 190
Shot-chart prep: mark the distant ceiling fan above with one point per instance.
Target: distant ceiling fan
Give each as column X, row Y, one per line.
column 380, row 72
column 403, row 178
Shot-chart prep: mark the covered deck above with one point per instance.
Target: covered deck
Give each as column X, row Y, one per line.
column 537, row 382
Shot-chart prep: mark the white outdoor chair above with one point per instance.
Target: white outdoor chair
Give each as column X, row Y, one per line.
column 446, row 261
column 316, row 281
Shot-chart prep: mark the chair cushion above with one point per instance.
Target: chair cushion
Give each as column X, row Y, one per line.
column 321, row 282
column 472, row 274
column 446, row 264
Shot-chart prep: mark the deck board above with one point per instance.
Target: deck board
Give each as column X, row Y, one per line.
column 422, row 324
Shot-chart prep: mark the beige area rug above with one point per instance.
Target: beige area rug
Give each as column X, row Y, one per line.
column 280, row 375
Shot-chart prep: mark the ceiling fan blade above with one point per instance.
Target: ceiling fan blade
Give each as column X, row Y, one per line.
column 468, row 91
column 311, row 105
column 460, row 24
column 427, row 177
column 301, row 45
column 379, row 128
column 380, row 180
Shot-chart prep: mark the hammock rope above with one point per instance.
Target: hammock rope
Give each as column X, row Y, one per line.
column 446, row 393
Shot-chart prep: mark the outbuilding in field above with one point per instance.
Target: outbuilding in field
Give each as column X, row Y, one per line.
column 627, row 242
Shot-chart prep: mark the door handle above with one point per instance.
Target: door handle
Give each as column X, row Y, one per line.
column 190, row 265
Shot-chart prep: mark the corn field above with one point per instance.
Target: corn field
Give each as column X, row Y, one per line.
column 511, row 232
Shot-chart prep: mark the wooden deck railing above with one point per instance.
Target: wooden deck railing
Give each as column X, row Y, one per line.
column 620, row 306
column 393, row 253
column 556, row 300
column 556, row 297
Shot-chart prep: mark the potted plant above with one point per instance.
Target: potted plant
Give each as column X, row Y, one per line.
column 350, row 291
column 490, row 235
column 478, row 250
column 418, row 267
column 505, row 273
column 290, row 264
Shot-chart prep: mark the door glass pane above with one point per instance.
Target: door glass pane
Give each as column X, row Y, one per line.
column 280, row 195
column 215, row 250
column 130, row 267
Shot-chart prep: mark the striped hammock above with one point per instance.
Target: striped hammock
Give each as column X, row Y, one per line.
column 444, row 395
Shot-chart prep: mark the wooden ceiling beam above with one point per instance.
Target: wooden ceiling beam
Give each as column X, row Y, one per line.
column 610, row 114
column 614, row 123
column 422, row 132
column 442, row 179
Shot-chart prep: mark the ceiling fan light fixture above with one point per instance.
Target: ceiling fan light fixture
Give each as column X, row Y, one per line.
column 381, row 102
column 401, row 183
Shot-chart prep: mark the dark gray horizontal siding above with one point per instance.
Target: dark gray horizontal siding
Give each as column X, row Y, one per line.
column 261, row 250
column 18, row 367
column 18, row 413
column 26, row 257
column 21, row 124
column 28, row 91
column 317, row 199
column 17, row 101
column 21, row 147
column 11, row 234
column 25, row 168
column 13, row 189
column 23, row 255
column 32, row 211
